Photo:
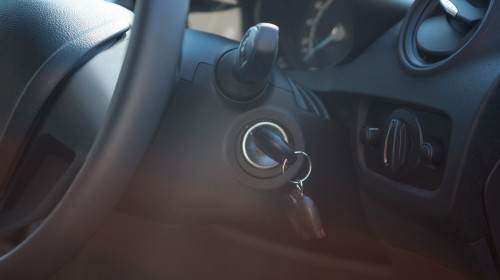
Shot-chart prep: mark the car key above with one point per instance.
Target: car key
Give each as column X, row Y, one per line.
column 301, row 209
column 302, row 212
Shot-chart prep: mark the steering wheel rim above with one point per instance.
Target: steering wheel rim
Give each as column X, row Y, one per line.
column 140, row 99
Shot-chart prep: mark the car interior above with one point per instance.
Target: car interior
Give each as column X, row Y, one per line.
column 249, row 139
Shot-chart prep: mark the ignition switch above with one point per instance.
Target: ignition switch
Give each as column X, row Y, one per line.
column 254, row 155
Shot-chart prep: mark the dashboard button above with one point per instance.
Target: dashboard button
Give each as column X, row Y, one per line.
column 370, row 135
column 431, row 153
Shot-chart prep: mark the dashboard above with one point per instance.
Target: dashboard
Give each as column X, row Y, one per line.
column 394, row 102
column 396, row 66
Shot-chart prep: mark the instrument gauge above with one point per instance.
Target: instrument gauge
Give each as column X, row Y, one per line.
column 313, row 34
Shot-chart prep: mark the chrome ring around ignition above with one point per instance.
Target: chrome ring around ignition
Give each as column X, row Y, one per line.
column 246, row 136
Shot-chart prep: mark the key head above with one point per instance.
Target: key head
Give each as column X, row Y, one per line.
column 304, row 216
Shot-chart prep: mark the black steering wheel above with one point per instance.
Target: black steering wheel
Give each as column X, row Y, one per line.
column 137, row 107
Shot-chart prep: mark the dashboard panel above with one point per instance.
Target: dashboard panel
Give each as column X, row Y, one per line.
column 437, row 208
column 429, row 210
column 403, row 135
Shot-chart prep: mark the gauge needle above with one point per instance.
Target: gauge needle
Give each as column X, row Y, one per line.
column 336, row 35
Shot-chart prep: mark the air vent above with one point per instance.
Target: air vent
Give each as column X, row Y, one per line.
column 435, row 30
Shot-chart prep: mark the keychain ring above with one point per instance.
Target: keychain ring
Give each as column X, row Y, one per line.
column 283, row 168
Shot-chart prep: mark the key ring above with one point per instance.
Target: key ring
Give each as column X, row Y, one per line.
column 301, row 181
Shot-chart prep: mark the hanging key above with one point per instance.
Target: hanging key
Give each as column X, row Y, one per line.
column 302, row 212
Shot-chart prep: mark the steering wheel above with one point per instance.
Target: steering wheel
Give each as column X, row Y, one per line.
column 141, row 97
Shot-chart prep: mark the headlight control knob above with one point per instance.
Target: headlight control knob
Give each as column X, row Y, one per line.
column 401, row 143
